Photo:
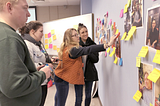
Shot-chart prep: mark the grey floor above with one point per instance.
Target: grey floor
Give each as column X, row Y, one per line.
column 71, row 97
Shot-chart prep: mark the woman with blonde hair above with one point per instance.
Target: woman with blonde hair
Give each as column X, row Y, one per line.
column 69, row 69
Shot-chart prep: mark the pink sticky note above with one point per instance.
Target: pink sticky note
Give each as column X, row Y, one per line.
column 107, row 14
column 121, row 14
column 49, row 35
column 50, row 46
column 110, row 22
column 105, row 54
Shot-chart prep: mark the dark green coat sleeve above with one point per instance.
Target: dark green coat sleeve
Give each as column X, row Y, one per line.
column 18, row 75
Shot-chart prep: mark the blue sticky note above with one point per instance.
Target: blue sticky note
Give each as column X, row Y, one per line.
column 121, row 62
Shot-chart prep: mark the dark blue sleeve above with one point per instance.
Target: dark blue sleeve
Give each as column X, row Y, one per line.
column 77, row 52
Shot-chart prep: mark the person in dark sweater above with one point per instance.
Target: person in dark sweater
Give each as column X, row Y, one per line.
column 153, row 38
column 69, row 69
column 90, row 71
column 20, row 82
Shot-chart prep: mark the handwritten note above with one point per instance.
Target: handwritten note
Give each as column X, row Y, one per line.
column 116, row 60
column 138, row 61
column 50, row 46
column 54, row 37
column 54, row 47
column 58, row 49
column 124, row 35
column 143, row 52
column 52, row 32
column 125, row 9
column 156, row 58
column 50, row 40
column 105, row 54
column 46, row 40
column 46, row 46
column 121, row 13
column 108, row 50
column 137, row 96
column 49, row 35
column 113, row 52
column 46, row 35
column 129, row 3
column 154, row 75
column 131, row 32
column 117, row 31
column 121, row 62
column 110, row 22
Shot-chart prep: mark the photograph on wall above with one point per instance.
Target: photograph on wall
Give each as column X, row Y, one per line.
column 137, row 13
column 157, row 92
column 145, row 85
column 108, row 35
column 127, row 21
column 118, row 47
column 152, row 29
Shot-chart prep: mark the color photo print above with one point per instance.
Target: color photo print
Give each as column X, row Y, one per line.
column 145, row 85
column 137, row 13
column 153, row 27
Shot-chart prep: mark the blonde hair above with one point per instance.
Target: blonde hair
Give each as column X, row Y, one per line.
column 3, row 2
column 67, row 42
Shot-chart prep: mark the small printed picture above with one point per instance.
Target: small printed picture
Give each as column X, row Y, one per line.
column 127, row 21
column 152, row 30
column 145, row 85
column 108, row 35
column 137, row 13
column 118, row 47
column 157, row 92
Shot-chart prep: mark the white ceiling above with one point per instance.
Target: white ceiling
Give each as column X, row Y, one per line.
column 52, row 2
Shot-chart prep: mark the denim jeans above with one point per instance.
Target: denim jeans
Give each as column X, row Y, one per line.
column 62, row 91
column 79, row 93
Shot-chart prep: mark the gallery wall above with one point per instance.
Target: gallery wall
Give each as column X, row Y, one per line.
column 118, row 84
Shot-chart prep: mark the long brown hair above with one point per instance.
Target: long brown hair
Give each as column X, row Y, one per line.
column 67, row 42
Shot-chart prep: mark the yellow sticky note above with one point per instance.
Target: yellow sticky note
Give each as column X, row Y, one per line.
column 138, row 61
column 128, row 37
column 108, row 50
column 113, row 52
column 125, row 9
column 129, row 3
column 154, row 75
column 137, row 96
column 46, row 46
column 131, row 32
column 75, row 26
column 150, row 104
column 54, row 37
column 50, row 40
column 54, row 47
column 143, row 52
column 117, row 31
column 52, row 32
column 46, row 35
column 124, row 35
column 156, row 58
column 58, row 49
column 116, row 60
column 46, row 40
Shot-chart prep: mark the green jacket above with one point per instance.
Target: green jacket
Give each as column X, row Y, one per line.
column 20, row 82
